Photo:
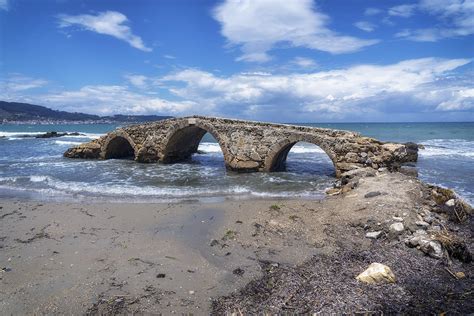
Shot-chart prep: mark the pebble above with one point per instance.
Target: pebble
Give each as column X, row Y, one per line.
column 397, row 219
column 374, row 235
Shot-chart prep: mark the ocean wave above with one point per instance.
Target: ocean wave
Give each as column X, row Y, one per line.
column 39, row 178
column 65, row 142
column 447, row 147
column 28, row 134
column 210, row 147
column 47, row 184
column 17, row 134
column 298, row 149
column 84, row 135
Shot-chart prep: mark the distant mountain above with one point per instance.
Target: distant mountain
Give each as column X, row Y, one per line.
column 15, row 112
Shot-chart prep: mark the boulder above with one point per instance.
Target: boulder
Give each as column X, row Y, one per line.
column 377, row 273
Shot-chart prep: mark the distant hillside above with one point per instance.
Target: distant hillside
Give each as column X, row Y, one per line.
column 14, row 111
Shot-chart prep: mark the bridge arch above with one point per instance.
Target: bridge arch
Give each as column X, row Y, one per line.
column 119, row 145
column 183, row 139
column 275, row 159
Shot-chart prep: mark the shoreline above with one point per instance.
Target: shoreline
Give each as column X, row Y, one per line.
column 201, row 258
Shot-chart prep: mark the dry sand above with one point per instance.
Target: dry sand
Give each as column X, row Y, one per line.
column 234, row 256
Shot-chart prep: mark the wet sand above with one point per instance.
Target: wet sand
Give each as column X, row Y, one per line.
column 195, row 257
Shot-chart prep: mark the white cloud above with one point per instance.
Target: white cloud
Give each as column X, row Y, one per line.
column 458, row 99
column 109, row 23
column 372, row 11
column 103, row 99
column 365, row 26
column 18, row 82
column 344, row 92
column 4, row 5
column 259, row 25
column 404, row 10
column 455, row 19
column 138, row 81
column 304, row 62
column 360, row 92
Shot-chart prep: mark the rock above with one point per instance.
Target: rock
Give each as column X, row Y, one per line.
column 374, row 235
column 56, row 134
column 423, row 242
column 442, row 195
column 396, row 229
column 372, row 194
column 429, row 218
column 409, row 171
column 450, row 203
column 238, row 272
column 397, row 219
column 346, row 188
column 377, row 273
column 422, row 224
column 356, row 173
column 333, row 191
column 460, row 275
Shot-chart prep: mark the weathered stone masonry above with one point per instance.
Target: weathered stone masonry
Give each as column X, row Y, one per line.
column 247, row 146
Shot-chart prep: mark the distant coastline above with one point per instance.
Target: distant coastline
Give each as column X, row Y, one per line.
column 25, row 113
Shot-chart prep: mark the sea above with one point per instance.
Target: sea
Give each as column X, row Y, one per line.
column 34, row 168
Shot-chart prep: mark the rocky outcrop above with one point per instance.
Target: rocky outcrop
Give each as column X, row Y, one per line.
column 247, row 146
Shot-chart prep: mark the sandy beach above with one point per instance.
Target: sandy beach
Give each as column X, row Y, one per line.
column 233, row 256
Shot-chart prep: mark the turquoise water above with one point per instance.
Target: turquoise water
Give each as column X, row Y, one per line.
column 34, row 168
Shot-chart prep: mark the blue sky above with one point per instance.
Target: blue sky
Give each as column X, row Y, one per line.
column 275, row 60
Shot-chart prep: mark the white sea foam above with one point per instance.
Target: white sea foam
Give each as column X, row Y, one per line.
column 65, row 142
column 306, row 149
column 39, row 178
column 447, row 147
column 13, row 134
column 144, row 191
column 299, row 149
column 8, row 179
column 28, row 134
column 85, row 135
column 210, row 147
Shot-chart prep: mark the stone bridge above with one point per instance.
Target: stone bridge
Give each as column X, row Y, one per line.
column 247, row 146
